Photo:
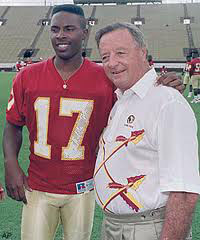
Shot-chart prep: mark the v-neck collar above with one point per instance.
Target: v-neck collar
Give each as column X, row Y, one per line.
column 57, row 74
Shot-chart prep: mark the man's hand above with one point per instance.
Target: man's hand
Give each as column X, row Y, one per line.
column 171, row 79
column 16, row 181
column 2, row 193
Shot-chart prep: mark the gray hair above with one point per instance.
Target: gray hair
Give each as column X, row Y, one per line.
column 137, row 35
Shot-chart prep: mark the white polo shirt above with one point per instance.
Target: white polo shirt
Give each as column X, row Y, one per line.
column 148, row 149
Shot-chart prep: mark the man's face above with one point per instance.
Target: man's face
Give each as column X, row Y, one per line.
column 66, row 35
column 123, row 60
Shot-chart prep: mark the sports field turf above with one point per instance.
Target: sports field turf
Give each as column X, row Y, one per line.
column 10, row 210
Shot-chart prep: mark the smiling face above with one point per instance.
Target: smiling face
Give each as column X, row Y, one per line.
column 123, row 60
column 67, row 35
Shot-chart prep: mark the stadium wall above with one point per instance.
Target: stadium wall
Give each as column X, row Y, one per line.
column 171, row 66
column 33, row 3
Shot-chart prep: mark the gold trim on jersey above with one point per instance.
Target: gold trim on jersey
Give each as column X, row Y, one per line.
column 12, row 100
column 84, row 108
column 41, row 148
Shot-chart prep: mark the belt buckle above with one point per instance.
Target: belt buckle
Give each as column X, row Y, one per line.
column 143, row 217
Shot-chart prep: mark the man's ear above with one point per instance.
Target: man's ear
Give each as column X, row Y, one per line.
column 144, row 53
column 85, row 33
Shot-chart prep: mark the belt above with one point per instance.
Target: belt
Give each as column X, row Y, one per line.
column 148, row 215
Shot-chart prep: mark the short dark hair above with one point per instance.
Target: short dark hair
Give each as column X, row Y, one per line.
column 71, row 8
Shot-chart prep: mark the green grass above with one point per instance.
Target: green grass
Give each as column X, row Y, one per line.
column 10, row 210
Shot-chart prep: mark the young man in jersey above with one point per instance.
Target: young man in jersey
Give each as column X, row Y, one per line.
column 187, row 78
column 64, row 102
column 147, row 170
column 19, row 65
column 195, row 76
column 163, row 70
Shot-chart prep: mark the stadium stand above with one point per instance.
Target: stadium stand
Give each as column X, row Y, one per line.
column 167, row 37
column 114, row 1
column 19, row 31
column 3, row 11
column 115, row 14
column 193, row 13
column 44, row 45
column 42, row 42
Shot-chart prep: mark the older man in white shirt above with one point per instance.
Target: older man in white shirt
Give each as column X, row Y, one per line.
column 147, row 171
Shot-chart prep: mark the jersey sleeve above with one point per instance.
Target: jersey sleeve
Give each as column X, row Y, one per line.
column 178, row 149
column 14, row 111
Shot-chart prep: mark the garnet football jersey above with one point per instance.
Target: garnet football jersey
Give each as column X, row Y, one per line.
column 187, row 66
column 195, row 66
column 64, row 124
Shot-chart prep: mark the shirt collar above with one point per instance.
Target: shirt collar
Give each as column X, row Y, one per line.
column 142, row 86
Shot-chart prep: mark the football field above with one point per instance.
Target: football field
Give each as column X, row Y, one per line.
column 10, row 210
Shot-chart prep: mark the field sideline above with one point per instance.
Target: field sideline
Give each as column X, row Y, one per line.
column 10, row 211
